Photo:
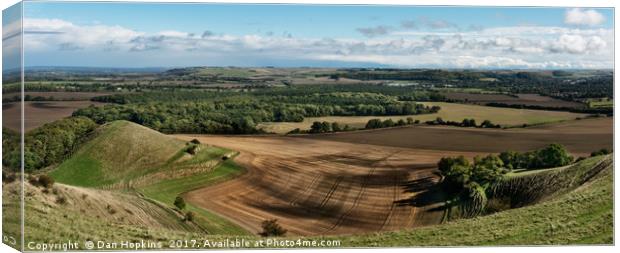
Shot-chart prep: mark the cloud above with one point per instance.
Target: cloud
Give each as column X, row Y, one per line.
column 583, row 17
column 409, row 24
column 497, row 47
column 374, row 31
column 437, row 24
column 207, row 33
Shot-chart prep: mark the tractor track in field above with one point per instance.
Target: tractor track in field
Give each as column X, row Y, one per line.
column 317, row 187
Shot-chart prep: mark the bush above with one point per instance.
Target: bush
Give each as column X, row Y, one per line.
column 603, row 151
column 42, row 181
column 61, row 200
column 46, row 181
column 192, row 150
column 189, row 216
column 179, row 202
column 8, row 177
column 195, row 141
column 272, row 228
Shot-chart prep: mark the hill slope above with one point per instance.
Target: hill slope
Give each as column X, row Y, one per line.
column 583, row 215
column 125, row 154
column 67, row 212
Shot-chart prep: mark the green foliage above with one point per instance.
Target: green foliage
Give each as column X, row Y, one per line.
column 468, row 182
column 179, row 202
column 272, row 228
column 47, row 145
column 602, row 151
column 239, row 113
column 554, row 155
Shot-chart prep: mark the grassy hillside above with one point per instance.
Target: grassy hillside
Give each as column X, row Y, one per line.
column 122, row 153
column 126, row 157
column 74, row 213
column 583, row 215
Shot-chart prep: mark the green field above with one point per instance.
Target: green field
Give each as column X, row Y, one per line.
column 449, row 111
column 167, row 190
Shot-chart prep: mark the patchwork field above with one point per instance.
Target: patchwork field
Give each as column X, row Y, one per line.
column 321, row 187
column 449, row 111
column 580, row 137
column 40, row 112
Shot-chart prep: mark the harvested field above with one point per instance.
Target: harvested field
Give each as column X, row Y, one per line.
column 316, row 187
column 39, row 113
column 580, row 137
column 517, row 99
column 449, row 111
column 61, row 95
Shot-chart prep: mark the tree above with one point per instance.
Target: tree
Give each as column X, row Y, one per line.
column 336, row 127
column 410, row 121
column 316, row 127
column 179, row 202
column 554, row 155
column 272, row 228
column 374, row 123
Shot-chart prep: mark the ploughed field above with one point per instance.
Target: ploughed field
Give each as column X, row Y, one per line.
column 37, row 113
column 316, row 187
column 517, row 99
column 365, row 181
column 580, row 137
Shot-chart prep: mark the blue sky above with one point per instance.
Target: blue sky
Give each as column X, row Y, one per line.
column 173, row 35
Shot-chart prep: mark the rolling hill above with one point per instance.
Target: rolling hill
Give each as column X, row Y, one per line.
column 122, row 154
column 578, row 209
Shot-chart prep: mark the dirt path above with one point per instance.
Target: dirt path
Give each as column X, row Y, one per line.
column 318, row 187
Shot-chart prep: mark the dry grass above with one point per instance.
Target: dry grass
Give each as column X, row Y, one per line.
column 449, row 111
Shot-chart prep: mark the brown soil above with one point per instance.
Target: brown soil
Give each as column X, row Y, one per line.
column 518, row 99
column 579, row 136
column 316, row 187
column 40, row 112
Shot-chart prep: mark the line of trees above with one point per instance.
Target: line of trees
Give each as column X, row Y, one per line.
column 554, row 155
column 234, row 113
column 464, row 123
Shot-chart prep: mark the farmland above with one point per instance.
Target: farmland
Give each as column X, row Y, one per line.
column 516, row 99
column 38, row 113
column 321, row 187
column 449, row 111
column 580, row 137
column 204, row 137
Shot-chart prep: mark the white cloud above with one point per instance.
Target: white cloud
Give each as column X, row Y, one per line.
column 502, row 47
column 583, row 17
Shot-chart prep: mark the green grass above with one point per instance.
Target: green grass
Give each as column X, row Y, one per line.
column 90, row 172
column 125, row 156
column 166, row 191
column 601, row 103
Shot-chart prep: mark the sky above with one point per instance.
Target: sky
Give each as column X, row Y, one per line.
column 179, row 35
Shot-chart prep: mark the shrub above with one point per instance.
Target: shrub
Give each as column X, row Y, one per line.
column 46, row 181
column 179, row 202
column 8, row 177
column 189, row 216
column 272, row 228
column 602, row 151
column 195, row 141
column 61, row 200
column 192, row 150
